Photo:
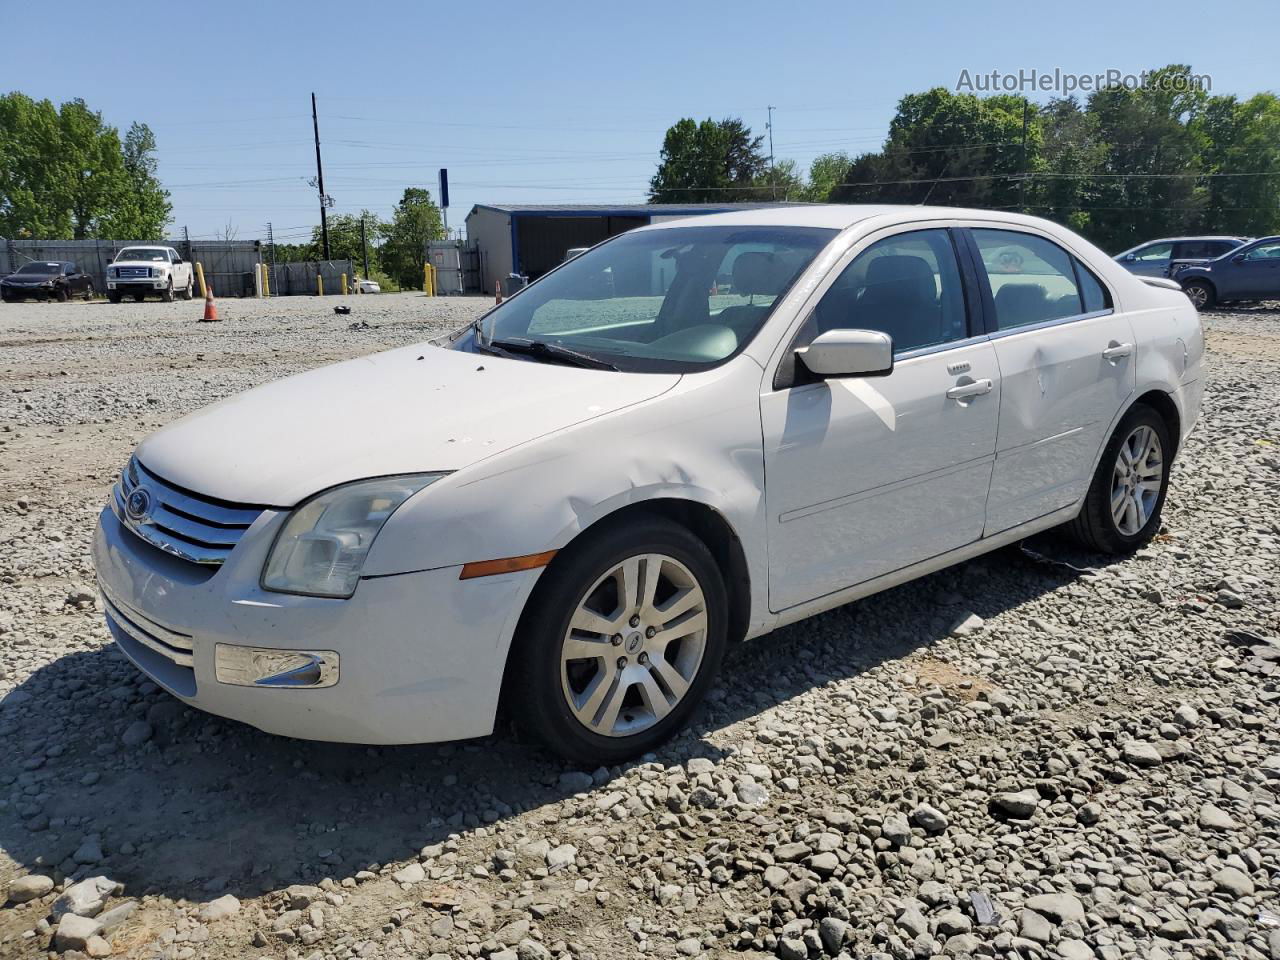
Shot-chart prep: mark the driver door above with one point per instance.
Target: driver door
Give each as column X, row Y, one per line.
column 866, row 475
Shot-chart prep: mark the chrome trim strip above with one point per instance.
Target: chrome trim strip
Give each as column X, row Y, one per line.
column 123, row 623
column 201, row 533
column 182, row 641
column 270, row 667
column 205, row 509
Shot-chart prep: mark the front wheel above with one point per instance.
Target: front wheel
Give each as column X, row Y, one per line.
column 113, row 298
column 1121, row 512
column 167, row 296
column 88, row 292
column 621, row 641
column 1200, row 294
column 62, row 294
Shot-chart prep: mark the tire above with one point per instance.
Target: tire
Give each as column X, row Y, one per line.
column 167, row 295
column 139, row 297
column 88, row 293
column 1097, row 527
column 62, row 294
column 187, row 291
column 113, row 298
column 588, row 575
column 1200, row 293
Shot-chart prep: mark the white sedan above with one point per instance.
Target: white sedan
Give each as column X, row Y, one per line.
column 573, row 506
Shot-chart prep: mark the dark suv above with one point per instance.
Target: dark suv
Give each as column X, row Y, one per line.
column 1250, row 272
column 46, row 280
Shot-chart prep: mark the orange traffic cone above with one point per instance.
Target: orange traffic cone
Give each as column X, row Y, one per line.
column 497, row 286
column 210, row 308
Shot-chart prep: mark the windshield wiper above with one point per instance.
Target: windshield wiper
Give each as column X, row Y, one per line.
column 551, row 351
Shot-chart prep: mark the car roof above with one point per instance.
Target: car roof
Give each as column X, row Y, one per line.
column 1205, row 236
column 842, row 215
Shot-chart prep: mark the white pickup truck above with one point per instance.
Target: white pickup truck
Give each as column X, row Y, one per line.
column 143, row 270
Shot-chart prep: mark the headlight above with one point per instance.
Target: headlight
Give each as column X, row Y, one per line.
column 321, row 549
column 154, row 271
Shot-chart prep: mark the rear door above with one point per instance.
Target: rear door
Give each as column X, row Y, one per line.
column 866, row 475
column 1151, row 260
column 1067, row 365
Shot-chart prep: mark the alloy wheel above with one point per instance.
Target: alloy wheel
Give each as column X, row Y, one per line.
column 634, row 645
column 1136, row 480
column 1198, row 295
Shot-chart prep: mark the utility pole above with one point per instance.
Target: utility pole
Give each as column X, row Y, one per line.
column 1022, row 181
column 324, row 201
column 364, row 245
column 186, row 242
column 773, row 180
column 271, row 244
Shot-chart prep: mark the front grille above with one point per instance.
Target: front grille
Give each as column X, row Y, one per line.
column 133, row 273
column 168, row 643
column 195, row 528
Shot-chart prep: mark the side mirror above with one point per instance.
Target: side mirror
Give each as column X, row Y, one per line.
column 1238, row 258
column 849, row 353
column 176, row 261
column 1130, row 257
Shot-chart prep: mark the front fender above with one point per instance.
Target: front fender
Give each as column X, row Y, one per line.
column 699, row 442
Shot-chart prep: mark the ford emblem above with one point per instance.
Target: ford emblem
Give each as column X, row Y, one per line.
column 138, row 504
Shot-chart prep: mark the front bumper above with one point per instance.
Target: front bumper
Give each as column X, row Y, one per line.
column 422, row 654
column 138, row 286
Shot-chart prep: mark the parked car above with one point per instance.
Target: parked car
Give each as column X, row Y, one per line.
column 1152, row 259
column 139, row 271
column 47, row 280
column 1250, row 272
column 574, row 252
column 576, row 503
column 367, row 286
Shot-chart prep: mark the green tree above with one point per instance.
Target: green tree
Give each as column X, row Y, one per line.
column 825, row 172
column 710, row 162
column 344, row 236
column 416, row 221
column 65, row 173
column 1242, row 152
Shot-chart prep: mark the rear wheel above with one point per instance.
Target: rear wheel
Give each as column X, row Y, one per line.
column 621, row 641
column 1200, row 294
column 187, row 291
column 1121, row 511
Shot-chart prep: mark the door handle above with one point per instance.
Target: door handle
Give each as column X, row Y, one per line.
column 1117, row 351
column 964, row 391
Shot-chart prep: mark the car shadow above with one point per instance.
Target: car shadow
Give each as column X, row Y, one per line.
column 208, row 806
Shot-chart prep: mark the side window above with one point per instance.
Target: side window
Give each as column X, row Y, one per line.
column 1264, row 251
column 1032, row 279
column 1157, row 251
column 907, row 286
column 1092, row 292
column 1195, row 250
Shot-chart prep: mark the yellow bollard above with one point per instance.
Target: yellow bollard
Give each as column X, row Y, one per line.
column 426, row 279
column 344, row 284
column 266, row 281
column 434, row 290
column 200, row 277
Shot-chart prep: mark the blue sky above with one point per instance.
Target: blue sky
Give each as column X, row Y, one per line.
column 553, row 102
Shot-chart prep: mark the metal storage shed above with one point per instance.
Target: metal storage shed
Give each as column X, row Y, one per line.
column 531, row 238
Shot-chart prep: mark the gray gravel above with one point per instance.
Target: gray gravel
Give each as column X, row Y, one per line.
column 1042, row 753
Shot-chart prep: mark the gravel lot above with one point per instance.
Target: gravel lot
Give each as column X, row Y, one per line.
column 1038, row 754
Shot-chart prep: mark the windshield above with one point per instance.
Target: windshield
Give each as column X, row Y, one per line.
column 673, row 299
column 43, row 269
column 154, row 254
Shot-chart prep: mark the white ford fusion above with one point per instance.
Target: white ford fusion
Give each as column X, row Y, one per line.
column 574, row 505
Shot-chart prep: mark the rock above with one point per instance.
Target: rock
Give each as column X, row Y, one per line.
column 929, row 818
column 97, row 947
column 286, row 921
column 751, row 793
column 689, row 947
column 410, row 873
column 775, row 878
column 220, row 909
column 1233, row 881
column 89, row 852
column 1089, row 813
column 31, row 887
column 1072, row 949
column 967, row 625
column 885, row 714
column 302, row 895
column 896, row 828
column 1141, row 754
column 824, row 864
column 110, row 919
column 961, row 945
column 1214, row 818
column 700, row 765
column 792, row 948
column 1186, row 716
column 562, row 856
column 912, row 922
column 74, row 932
column 512, row 933
column 136, row 734
column 1035, row 926
column 1058, row 907
column 575, row 781
column 951, row 922
column 833, row 932
column 528, row 949
column 1021, row 805
column 86, row 898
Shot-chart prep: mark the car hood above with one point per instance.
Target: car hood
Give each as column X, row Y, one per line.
column 415, row 409
column 28, row 281
column 138, row 263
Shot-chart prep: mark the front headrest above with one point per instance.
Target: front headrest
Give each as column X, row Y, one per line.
column 759, row 273
column 902, row 269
